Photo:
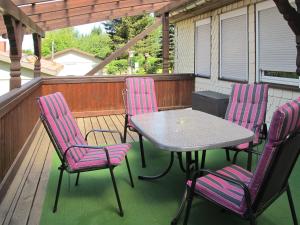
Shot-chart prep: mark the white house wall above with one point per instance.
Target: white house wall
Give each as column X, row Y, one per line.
column 26, row 76
column 184, row 54
column 75, row 64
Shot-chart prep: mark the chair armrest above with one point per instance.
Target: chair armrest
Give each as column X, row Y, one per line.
column 105, row 131
column 86, row 146
column 198, row 173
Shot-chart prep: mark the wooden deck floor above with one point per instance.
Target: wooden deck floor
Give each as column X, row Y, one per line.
column 24, row 200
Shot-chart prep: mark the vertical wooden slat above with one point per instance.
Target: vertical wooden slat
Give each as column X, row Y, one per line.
column 166, row 42
column 37, row 40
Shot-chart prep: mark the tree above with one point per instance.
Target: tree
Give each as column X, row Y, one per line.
column 96, row 43
column 117, row 66
column 62, row 39
column 124, row 29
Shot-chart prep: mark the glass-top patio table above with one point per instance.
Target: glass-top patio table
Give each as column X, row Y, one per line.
column 188, row 131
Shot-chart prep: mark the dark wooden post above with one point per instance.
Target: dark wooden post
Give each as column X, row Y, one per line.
column 37, row 39
column 292, row 16
column 15, row 34
column 166, row 42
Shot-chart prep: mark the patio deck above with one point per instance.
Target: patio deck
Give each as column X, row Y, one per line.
column 24, row 200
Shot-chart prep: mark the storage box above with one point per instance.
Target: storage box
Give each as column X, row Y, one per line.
column 211, row 102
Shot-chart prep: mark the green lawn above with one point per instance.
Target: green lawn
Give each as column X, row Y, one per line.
column 149, row 203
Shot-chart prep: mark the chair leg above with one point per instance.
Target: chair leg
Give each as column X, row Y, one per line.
column 121, row 213
column 129, row 171
column 142, row 151
column 77, row 179
column 203, row 160
column 58, row 188
column 253, row 220
column 249, row 162
column 227, row 155
column 188, row 207
column 125, row 128
column 292, row 207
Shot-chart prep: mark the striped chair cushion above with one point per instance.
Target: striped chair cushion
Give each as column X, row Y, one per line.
column 247, row 107
column 286, row 120
column 224, row 193
column 66, row 133
column 96, row 158
column 140, row 97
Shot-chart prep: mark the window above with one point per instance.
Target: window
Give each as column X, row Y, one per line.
column 276, row 47
column 202, row 48
column 234, row 45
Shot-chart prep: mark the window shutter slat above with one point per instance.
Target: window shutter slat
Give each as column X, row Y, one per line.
column 276, row 42
column 202, row 52
column 234, row 48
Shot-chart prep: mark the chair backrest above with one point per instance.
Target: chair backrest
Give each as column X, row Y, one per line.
column 61, row 126
column 247, row 106
column 279, row 155
column 140, row 96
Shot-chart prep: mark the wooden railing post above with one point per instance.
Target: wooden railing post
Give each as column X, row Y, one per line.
column 15, row 33
column 166, row 42
column 37, row 39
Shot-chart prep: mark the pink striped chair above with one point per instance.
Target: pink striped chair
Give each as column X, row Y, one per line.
column 248, row 194
column 247, row 107
column 75, row 154
column 139, row 97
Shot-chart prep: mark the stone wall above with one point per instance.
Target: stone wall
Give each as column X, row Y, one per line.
column 184, row 54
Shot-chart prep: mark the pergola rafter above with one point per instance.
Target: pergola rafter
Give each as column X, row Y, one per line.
column 99, row 16
column 91, row 9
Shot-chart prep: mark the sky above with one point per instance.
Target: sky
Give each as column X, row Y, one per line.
column 82, row 29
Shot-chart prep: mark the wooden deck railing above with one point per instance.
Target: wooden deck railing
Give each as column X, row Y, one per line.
column 87, row 96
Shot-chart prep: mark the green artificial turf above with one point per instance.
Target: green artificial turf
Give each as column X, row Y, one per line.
column 150, row 202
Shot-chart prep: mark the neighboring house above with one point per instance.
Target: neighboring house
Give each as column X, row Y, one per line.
column 75, row 61
column 48, row 68
column 248, row 41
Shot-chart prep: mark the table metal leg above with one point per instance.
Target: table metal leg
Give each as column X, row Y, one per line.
column 179, row 155
column 189, row 162
column 180, row 209
column 162, row 174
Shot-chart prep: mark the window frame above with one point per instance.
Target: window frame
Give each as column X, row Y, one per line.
column 228, row 15
column 197, row 24
column 260, row 73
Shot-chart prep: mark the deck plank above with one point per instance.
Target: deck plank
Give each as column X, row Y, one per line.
column 133, row 135
column 99, row 135
column 23, row 208
column 108, row 136
column 38, row 201
column 10, row 200
column 112, row 126
column 88, row 127
column 120, row 127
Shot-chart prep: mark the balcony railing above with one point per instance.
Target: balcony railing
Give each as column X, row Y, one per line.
column 86, row 96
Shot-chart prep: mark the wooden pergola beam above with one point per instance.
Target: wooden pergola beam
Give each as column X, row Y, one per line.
column 129, row 44
column 91, row 9
column 27, row 2
column 9, row 8
column 171, row 6
column 97, row 17
column 55, row 6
